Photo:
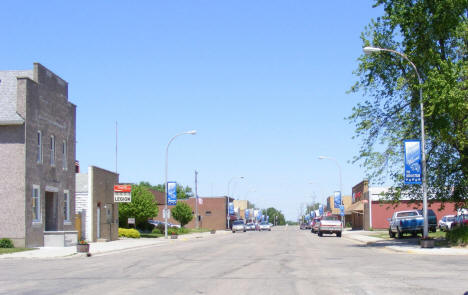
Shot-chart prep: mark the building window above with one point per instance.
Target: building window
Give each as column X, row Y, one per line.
column 66, row 206
column 36, row 203
column 39, row 147
column 208, row 213
column 64, row 155
column 52, row 150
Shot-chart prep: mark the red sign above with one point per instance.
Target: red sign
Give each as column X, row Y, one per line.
column 123, row 188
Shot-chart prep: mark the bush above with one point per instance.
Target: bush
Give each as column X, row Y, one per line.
column 183, row 230
column 161, row 228
column 458, row 236
column 145, row 227
column 173, row 231
column 156, row 231
column 129, row 233
column 6, row 243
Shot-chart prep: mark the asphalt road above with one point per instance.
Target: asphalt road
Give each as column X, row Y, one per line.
column 283, row 261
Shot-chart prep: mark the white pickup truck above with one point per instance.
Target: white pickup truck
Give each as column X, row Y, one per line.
column 329, row 225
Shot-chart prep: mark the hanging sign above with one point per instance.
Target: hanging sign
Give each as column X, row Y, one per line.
column 122, row 193
column 171, row 193
column 413, row 160
column 337, row 199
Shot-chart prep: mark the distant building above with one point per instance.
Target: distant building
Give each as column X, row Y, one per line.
column 37, row 156
column 98, row 215
column 346, row 202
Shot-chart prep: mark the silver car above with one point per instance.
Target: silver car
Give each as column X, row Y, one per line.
column 446, row 222
column 265, row 226
column 238, row 225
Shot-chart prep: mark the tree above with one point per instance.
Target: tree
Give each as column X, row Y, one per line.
column 182, row 192
column 434, row 36
column 142, row 207
column 272, row 213
column 182, row 213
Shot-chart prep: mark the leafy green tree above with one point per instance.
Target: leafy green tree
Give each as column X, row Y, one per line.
column 182, row 192
column 142, row 207
column 182, row 213
column 434, row 36
column 272, row 213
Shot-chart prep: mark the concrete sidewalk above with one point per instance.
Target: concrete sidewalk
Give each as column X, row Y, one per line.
column 409, row 246
column 123, row 244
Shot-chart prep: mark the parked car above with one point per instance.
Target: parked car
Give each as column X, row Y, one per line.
column 432, row 220
column 460, row 220
column 446, row 222
column 238, row 225
column 265, row 226
column 405, row 222
column 329, row 225
column 314, row 225
column 250, row 226
column 302, row 226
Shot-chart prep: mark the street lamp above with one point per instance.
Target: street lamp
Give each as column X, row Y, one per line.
column 229, row 184
column 369, row 50
column 192, row 132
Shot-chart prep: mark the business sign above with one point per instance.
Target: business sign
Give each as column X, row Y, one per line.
column 321, row 209
column 231, row 209
column 122, row 193
column 171, row 195
column 337, row 199
column 131, row 220
column 413, row 160
column 342, row 210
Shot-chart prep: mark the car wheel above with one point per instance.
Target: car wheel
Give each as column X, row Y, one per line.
column 233, row 231
column 390, row 233
column 400, row 234
column 338, row 235
column 320, row 234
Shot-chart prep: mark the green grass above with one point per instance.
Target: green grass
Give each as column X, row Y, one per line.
column 384, row 235
column 190, row 231
column 13, row 250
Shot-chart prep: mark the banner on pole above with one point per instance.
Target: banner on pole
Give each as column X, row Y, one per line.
column 171, row 193
column 337, row 199
column 413, row 160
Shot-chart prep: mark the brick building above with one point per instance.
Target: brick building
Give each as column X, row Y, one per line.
column 37, row 154
column 212, row 211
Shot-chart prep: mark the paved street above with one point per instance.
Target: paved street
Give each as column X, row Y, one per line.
column 284, row 261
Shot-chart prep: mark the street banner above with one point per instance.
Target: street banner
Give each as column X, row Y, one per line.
column 267, row 218
column 122, row 193
column 413, row 159
column 247, row 214
column 321, row 209
column 342, row 210
column 200, row 201
column 337, row 199
column 231, row 208
column 171, row 193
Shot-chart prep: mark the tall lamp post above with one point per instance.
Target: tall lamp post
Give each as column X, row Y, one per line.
column 192, row 132
column 370, row 50
column 228, row 217
column 341, row 183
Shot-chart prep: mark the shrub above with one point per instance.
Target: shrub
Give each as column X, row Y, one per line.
column 458, row 236
column 161, row 228
column 6, row 243
column 129, row 233
column 173, row 231
column 183, row 230
column 157, row 231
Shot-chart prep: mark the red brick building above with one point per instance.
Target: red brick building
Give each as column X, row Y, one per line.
column 212, row 211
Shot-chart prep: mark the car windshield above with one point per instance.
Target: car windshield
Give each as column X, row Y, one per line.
column 264, row 223
column 238, row 222
column 330, row 218
column 408, row 214
column 450, row 219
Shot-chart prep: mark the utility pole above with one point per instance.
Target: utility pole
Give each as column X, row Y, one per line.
column 196, row 199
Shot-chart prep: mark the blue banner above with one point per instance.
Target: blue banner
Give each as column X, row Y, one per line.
column 321, row 209
column 342, row 210
column 231, row 208
column 267, row 218
column 337, row 199
column 413, row 160
column 247, row 214
column 171, row 193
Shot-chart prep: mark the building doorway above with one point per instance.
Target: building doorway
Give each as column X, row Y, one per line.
column 50, row 211
column 98, row 224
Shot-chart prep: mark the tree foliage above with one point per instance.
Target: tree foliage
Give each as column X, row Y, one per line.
column 434, row 36
column 271, row 213
column 142, row 207
column 182, row 192
column 182, row 213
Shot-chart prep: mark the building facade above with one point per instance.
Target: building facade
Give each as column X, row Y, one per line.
column 37, row 154
column 95, row 206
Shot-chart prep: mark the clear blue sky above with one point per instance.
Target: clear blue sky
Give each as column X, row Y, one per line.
column 263, row 82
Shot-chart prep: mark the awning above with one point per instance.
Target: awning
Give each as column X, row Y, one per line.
column 357, row 207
